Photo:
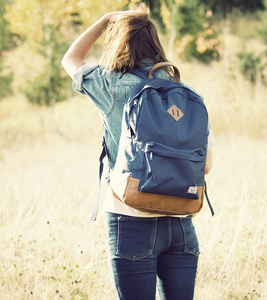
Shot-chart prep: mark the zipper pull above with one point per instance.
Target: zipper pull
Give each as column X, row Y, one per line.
column 135, row 102
column 151, row 155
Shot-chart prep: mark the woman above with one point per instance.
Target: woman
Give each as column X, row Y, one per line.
column 167, row 247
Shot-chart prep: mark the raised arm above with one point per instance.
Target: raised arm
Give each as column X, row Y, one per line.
column 76, row 54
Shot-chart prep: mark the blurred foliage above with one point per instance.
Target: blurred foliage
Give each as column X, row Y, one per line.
column 6, row 79
column 195, row 24
column 252, row 66
column 28, row 17
column 47, row 25
column 263, row 27
column 52, row 85
column 190, row 27
column 227, row 6
column 3, row 26
column 6, row 76
column 42, row 24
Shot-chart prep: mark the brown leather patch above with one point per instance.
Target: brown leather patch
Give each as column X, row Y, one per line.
column 175, row 112
column 162, row 204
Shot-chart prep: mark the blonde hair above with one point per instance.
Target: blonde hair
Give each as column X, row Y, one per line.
column 130, row 39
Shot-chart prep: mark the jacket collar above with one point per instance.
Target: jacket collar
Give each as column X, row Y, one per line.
column 146, row 64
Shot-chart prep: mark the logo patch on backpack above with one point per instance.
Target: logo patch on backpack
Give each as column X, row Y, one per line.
column 175, row 112
column 192, row 190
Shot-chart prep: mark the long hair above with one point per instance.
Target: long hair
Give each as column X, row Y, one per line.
column 130, row 39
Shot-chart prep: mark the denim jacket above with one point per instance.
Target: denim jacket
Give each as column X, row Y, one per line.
column 109, row 91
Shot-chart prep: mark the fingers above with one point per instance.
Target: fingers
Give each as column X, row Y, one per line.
column 114, row 16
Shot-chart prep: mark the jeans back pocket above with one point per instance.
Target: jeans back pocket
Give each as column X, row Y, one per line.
column 136, row 237
column 191, row 245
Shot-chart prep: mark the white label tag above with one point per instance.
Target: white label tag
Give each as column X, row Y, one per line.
column 192, row 190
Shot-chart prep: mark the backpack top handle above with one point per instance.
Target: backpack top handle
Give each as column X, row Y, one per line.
column 176, row 77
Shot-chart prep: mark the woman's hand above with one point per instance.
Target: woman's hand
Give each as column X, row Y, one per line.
column 116, row 15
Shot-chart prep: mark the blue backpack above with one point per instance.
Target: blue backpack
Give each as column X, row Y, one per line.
column 161, row 161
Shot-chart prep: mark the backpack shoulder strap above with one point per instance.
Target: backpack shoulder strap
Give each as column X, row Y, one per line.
column 208, row 200
column 176, row 77
column 101, row 166
column 148, row 75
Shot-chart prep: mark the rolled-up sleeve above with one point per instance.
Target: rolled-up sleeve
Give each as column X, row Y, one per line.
column 79, row 75
column 97, row 84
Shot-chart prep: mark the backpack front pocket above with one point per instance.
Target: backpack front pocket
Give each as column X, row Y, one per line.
column 171, row 171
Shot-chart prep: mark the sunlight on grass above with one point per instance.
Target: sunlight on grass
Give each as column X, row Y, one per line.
column 49, row 178
column 50, row 249
column 233, row 263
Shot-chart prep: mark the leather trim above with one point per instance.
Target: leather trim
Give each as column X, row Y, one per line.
column 163, row 204
column 166, row 64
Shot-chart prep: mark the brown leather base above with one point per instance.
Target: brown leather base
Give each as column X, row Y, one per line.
column 162, row 204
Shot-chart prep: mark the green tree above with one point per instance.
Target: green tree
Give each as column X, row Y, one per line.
column 6, row 76
column 52, row 84
column 252, row 66
column 47, row 25
column 39, row 23
column 189, row 30
column 263, row 27
column 226, row 6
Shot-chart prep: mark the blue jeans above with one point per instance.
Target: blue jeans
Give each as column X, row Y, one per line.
column 149, row 252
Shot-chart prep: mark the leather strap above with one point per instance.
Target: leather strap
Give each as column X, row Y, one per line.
column 208, row 200
column 176, row 77
column 101, row 166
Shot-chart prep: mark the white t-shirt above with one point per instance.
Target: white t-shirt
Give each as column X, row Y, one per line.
column 113, row 205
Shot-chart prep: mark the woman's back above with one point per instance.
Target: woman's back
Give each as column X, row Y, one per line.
column 144, row 248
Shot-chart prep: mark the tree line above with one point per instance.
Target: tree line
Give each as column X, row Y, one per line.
column 189, row 26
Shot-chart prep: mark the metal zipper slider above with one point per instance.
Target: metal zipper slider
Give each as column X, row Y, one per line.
column 151, row 155
column 135, row 102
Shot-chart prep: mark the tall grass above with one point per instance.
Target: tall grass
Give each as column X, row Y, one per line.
column 49, row 178
column 50, row 249
column 233, row 263
column 48, row 173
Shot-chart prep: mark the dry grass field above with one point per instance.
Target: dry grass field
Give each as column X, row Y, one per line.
column 48, row 181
